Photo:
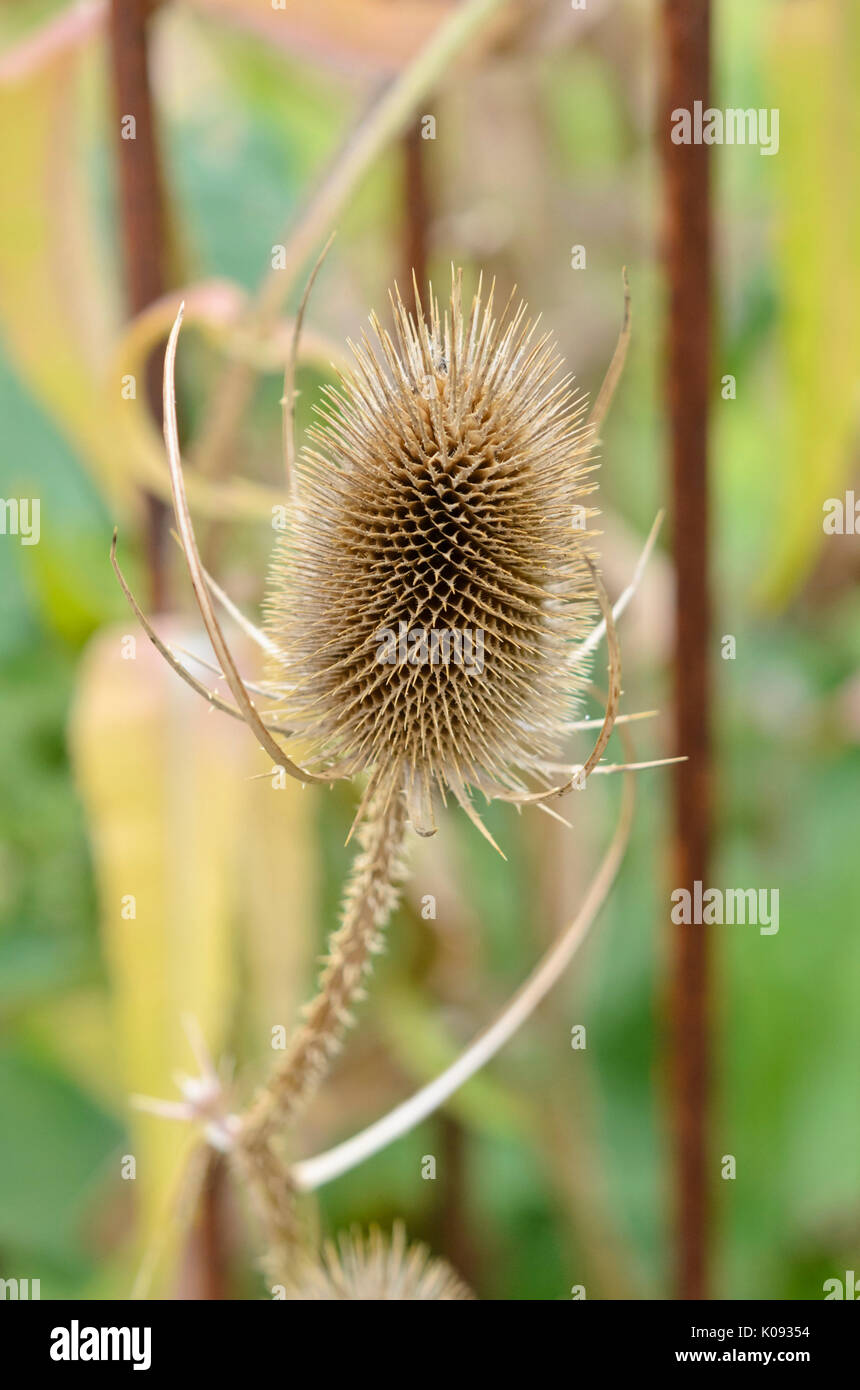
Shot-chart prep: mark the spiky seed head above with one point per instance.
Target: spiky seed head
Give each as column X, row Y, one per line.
column 426, row 595
column 375, row 1268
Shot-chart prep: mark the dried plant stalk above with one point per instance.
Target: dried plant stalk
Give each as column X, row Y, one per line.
column 443, row 494
column 369, row 899
column 437, row 497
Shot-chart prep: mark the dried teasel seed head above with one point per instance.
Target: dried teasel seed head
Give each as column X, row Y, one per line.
column 432, row 580
column 375, row 1268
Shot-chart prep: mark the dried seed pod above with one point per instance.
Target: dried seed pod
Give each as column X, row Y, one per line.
column 432, row 581
column 375, row 1268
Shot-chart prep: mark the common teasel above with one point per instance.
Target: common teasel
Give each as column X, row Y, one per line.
column 432, row 582
column 374, row 1267
column 443, row 489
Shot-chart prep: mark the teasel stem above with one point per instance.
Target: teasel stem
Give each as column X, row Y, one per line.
column 312, row 1173
column 369, row 899
column 275, row 1199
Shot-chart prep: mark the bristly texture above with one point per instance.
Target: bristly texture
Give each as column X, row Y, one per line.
column 375, row 1269
column 432, row 580
column 370, row 897
column 424, row 604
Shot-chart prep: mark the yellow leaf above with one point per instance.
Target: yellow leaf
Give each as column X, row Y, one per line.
column 816, row 74
column 161, row 781
column 188, row 838
column 54, row 309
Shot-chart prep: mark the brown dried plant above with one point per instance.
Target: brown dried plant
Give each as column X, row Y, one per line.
column 437, row 496
column 374, row 1268
column 442, row 491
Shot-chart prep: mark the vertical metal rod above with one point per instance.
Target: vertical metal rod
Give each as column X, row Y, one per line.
column 687, row 230
column 142, row 223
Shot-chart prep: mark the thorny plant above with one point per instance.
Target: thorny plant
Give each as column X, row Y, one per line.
column 439, row 489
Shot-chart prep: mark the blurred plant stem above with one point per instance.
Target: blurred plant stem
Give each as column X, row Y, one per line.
column 454, row 1234
column 416, row 215
column 564, row 1120
column 687, row 231
column 142, row 225
column 386, row 118
column 204, row 1277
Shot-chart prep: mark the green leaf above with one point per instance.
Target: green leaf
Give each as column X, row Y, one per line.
column 52, row 1158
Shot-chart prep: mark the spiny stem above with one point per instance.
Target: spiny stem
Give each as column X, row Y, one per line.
column 369, row 899
column 313, row 1173
column 274, row 1195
